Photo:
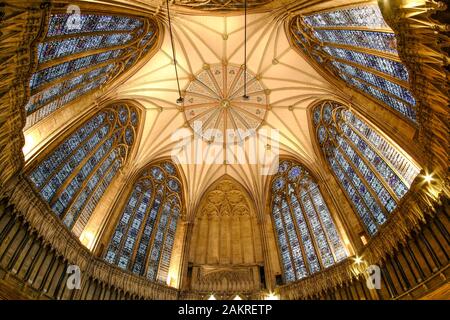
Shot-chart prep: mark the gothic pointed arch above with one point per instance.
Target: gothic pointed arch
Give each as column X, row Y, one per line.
column 306, row 233
column 374, row 172
column 79, row 166
column 225, row 249
column 76, row 55
column 354, row 44
column 143, row 238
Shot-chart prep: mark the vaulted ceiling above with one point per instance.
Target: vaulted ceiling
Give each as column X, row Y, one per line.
column 287, row 81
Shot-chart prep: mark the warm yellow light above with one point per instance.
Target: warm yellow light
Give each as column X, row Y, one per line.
column 237, row 297
column 428, row 177
column 358, row 260
column 211, row 297
column 30, row 143
column 87, row 238
column 272, row 296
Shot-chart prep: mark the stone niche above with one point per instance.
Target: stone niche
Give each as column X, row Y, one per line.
column 225, row 246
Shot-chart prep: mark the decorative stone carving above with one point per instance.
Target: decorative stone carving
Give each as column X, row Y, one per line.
column 225, row 279
column 214, row 5
column 225, row 200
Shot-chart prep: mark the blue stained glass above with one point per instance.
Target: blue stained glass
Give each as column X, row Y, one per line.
column 52, row 73
column 44, row 97
column 157, row 173
column 174, row 185
column 152, row 230
column 278, row 184
column 79, row 170
column 57, row 49
column 377, row 81
column 129, row 136
column 321, row 134
column 390, row 67
column 123, row 115
column 170, row 169
column 401, row 107
column 362, row 15
column 294, row 173
column 382, row 41
column 299, row 213
column 367, row 189
column 58, row 24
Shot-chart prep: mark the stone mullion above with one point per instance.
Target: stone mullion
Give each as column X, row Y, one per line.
column 288, row 243
column 309, row 229
column 374, row 52
column 80, row 165
column 153, row 235
column 169, row 220
column 378, row 153
column 297, row 233
column 371, row 167
column 70, row 155
column 356, row 28
column 350, row 200
column 71, row 75
column 107, row 171
column 77, row 87
column 326, row 56
column 350, row 163
column 83, row 185
column 386, row 76
column 166, row 231
column 87, row 34
column 316, row 209
column 140, row 233
column 127, row 228
column 381, row 89
column 359, row 173
column 81, row 54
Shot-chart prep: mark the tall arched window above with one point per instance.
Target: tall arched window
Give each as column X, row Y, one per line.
column 75, row 59
column 143, row 239
column 374, row 173
column 74, row 175
column 307, row 236
column 355, row 43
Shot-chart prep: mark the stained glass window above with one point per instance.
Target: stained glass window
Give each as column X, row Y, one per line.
column 373, row 172
column 75, row 61
column 357, row 45
column 78, row 170
column 306, row 233
column 143, row 239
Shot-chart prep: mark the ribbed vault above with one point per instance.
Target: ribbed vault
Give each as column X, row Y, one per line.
column 291, row 86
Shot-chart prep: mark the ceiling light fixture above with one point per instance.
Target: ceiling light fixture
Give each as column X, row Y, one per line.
column 180, row 99
column 245, row 96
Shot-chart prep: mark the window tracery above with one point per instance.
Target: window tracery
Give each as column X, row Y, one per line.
column 307, row 235
column 72, row 62
column 357, row 45
column 374, row 173
column 143, row 238
column 75, row 174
